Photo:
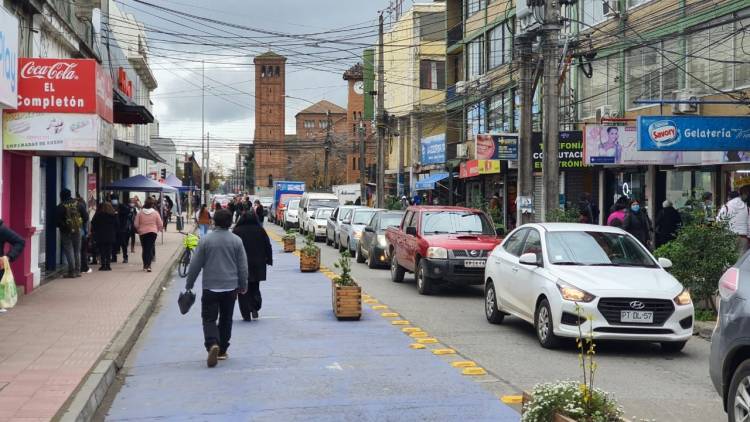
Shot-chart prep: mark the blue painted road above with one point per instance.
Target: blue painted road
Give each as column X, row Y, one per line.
column 297, row 363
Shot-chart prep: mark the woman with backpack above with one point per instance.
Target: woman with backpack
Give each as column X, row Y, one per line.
column 149, row 224
column 104, row 228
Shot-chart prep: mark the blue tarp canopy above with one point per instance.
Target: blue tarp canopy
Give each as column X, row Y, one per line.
column 173, row 181
column 428, row 183
column 140, row 183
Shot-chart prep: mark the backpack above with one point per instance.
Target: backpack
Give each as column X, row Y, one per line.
column 73, row 220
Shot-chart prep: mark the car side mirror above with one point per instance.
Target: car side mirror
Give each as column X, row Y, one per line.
column 346, row 222
column 665, row 263
column 369, row 229
column 529, row 259
column 411, row 231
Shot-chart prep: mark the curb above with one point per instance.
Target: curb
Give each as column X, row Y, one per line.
column 704, row 329
column 82, row 405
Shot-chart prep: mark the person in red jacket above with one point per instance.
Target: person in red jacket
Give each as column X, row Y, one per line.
column 148, row 224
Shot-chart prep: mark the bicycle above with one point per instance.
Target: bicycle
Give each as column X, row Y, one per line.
column 191, row 242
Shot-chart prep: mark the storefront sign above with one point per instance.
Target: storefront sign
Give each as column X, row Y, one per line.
column 618, row 145
column 500, row 146
column 58, row 133
column 64, row 86
column 433, row 149
column 123, row 83
column 8, row 59
column 571, row 150
column 473, row 168
column 693, row 133
column 91, row 190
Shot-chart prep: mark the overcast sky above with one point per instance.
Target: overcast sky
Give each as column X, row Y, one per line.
column 229, row 102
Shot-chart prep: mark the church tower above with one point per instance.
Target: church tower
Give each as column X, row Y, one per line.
column 270, row 155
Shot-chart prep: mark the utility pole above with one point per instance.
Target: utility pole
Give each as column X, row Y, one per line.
column 327, row 149
column 525, row 163
column 208, row 162
column 551, row 108
column 362, row 164
column 380, row 189
column 203, row 130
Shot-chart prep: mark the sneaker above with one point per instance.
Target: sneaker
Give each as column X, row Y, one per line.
column 255, row 314
column 223, row 356
column 89, row 271
column 148, row 269
column 213, row 356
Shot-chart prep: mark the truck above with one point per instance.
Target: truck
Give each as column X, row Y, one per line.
column 441, row 245
column 347, row 194
column 283, row 192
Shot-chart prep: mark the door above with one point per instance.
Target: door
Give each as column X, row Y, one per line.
column 411, row 244
column 505, row 259
column 370, row 237
column 331, row 224
column 525, row 283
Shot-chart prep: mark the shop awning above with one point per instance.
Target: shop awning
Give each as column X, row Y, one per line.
column 428, row 183
column 135, row 150
column 129, row 113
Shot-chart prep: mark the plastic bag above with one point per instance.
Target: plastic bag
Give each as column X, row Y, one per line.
column 8, row 290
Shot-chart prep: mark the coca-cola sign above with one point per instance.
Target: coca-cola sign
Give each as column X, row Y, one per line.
column 64, row 86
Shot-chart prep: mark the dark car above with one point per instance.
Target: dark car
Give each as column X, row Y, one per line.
column 730, row 343
column 373, row 247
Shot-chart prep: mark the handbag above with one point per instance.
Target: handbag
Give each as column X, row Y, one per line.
column 185, row 301
column 8, row 290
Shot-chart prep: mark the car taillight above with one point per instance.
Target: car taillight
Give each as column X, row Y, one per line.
column 729, row 282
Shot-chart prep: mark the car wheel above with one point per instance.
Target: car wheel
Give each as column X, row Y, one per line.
column 328, row 240
column 425, row 285
column 336, row 243
column 342, row 246
column 738, row 400
column 544, row 328
column 397, row 271
column 286, row 226
column 360, row 256
column 676, row 347
column 494, row 316
column 371, row 260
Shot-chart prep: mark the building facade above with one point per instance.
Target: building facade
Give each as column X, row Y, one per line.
column 270, row 99
column 320, row 126
column 360, row 127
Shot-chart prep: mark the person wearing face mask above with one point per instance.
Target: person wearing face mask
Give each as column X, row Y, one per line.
column 736, row 214
column 638, row 224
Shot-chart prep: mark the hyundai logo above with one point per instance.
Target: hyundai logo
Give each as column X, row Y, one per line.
column 474, row 253
column 637, row 304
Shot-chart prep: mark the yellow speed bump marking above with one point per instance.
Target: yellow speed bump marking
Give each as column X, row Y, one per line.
column 371, row 301
column 365, row 296
column 417, row 346
column 428, row 340
column 512, row 399
column 411, row 329
column 463, row 364
column 443, row 352
column 389, row 314
column 474, row 371
column 400, row 322
column 379, row 307
column 418, row 334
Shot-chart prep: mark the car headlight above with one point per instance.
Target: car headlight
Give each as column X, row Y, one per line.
column 683, row 298
column 574, row 294
column 381, row 240
column 357, row 235
column 437, row 252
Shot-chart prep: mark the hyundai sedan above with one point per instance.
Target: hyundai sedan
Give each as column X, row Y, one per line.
column 558, row 276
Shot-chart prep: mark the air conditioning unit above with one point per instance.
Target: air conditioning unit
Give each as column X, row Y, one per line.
column 604, row 112
column 462, row 151
column 686, row 108
column 527, row 22
column 460, row 87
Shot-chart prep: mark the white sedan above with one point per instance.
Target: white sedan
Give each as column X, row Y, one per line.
column 558, row 276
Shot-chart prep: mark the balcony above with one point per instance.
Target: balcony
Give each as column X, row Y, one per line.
column 455, row 34
column 78, row 16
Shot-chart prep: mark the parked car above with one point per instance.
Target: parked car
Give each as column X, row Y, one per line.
column 373, row 247
column 556, row 275
column 441, row 245
column 352, row 228
column 278, row 212
column 317, row 224
column 313, row 200
column 730, row 344
column 290, row 218
column 334, row 223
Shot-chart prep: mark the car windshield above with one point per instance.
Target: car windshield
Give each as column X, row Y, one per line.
column 293, row 204
column 596, row 249
column 456, row 222
column 363, row 217
column 390, row 220
column 319, row 203
column 323, row 213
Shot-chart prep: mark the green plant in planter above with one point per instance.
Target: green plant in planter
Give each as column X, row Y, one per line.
column 559, row 215
column 310, row 248
column 291, row 233
column 345, row 265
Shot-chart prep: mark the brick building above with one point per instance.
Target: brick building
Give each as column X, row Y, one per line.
column 270, row 155
column 354, row 110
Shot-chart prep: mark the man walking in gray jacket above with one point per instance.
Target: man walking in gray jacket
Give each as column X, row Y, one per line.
column 222, row 259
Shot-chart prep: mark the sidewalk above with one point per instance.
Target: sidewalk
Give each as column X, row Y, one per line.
column 55, row 335
column 296, row 363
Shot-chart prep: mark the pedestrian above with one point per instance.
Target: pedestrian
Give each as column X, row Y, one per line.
column 638, row 224
column 104, row 230
column 668, row 222
column 135, row 206
column 84, row 237
column 259, row 212
column 125, row 226
column 259, row 254
column 736, row 214
column 70, row 216
column 417, row 200
column 618, row 212
column 149, row 224
column 222, row 259
column 495, row 201
column 707, row 205
column 588, row 213
column 203, row 218
column 16, row 242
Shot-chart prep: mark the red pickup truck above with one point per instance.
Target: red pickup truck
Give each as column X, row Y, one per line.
column 441, row 245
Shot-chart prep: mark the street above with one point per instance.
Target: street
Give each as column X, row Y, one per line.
column 647, row 383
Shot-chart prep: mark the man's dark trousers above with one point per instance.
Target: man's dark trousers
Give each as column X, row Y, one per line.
column 217, row 306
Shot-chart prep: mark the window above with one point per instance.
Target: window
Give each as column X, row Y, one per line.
column 476, row 57
column 515, row 242
column 323, row 124
column 742, row 55
column 596, row 91
column 453, row 222
column 431, row 74
column 596, row 248
column 309, row 124
column 431, row 26
column 708, row 52
column 634, row 3
column 500, row 45
column 500, row 114
column 354, row 129
column 277, row 71
column 643, row 73
column 412, row 222
column 533, row 245
column 475, row 119
column 263, row 71
column 473, row 6
column 592, row 12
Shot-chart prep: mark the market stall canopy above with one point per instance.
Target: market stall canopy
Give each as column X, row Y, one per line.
column 428, row 183
column 135, row 150
column 140, row 183
column 173, row 181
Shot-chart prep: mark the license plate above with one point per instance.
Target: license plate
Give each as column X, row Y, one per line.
column 638, row 317
column 475, row 263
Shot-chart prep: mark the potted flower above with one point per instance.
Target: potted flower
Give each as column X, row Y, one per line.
column 309, row 257
column 290, row 241
column 346, row 294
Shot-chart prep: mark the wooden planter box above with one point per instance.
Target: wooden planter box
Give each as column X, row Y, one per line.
column 309, row 263
column 290, row 243
column 347, row 302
